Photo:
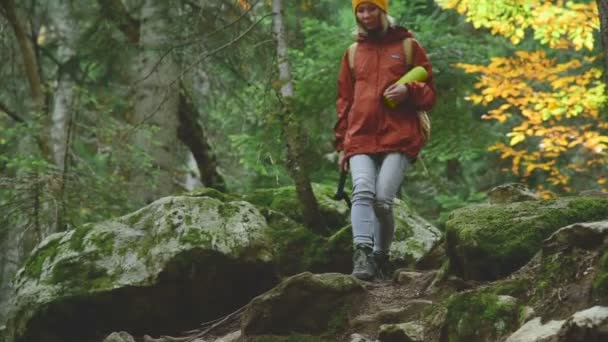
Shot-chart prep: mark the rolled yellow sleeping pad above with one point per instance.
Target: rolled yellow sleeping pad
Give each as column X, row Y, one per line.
column 417, row 74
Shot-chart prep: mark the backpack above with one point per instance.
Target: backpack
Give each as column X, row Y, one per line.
column 423, row 116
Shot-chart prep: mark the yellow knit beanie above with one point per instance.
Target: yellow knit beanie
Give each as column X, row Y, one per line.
column 383, row 4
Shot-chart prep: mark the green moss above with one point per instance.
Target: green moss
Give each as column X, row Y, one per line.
column 600, row 283
column 77, row 239
column 512, row 287
column 479, row 316
column 33, row 265
column 555, row 269
column 151, row 240
column 195, row 237
column 285, row 200
column 297, row 249
column 188, row 219
column 404, row 232
column 227, row 210
column 337, row 324
column 81, row 274
column 491, row 241
column 104, row 242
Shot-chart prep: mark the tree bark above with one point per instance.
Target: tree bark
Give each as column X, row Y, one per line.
column 603, row 9
column 292, row 132
column 63, row 99
column 191, row 133
column 156, row 107
column 30, row 62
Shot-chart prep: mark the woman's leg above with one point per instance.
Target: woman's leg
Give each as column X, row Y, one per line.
column 363, row 172
column 390, row 176
column 363, row 169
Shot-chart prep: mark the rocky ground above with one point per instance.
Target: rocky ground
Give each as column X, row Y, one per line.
column 212, row 267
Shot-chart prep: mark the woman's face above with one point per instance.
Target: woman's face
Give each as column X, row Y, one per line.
column 368, row 15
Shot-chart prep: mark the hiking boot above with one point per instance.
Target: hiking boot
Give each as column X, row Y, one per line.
column 382, row 265
column 363, row 267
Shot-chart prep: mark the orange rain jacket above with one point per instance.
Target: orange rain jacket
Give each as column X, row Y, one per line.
column 365, row 124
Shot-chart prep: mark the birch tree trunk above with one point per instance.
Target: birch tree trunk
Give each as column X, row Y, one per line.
column 291, row 130
column 63, row 100
column 156, row 106
column 65, row 28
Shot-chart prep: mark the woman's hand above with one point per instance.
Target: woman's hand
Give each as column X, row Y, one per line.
column 342, row 162
column 396, row 93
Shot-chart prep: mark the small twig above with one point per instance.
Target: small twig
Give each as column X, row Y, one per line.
column 228, row 317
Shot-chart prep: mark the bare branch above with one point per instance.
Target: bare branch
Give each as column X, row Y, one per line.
column 10, row 113
column 166, row 53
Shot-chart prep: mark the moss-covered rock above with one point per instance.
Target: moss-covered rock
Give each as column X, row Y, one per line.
column 165, row 267
column 414, row 236
column 305, row 304
column 486, row 242
column 480, row 316
column 285, row 200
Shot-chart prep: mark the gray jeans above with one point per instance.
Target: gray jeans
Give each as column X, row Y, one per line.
column 376, row 179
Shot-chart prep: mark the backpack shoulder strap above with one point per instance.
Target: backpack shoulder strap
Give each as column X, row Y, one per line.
column 409, row 52
column 352, row 49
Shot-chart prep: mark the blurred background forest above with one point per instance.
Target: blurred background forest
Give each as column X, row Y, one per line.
column 106, row 105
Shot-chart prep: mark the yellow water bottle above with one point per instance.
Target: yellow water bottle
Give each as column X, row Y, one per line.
column 417, row 74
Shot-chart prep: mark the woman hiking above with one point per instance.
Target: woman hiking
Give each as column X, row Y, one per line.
column 376, row 142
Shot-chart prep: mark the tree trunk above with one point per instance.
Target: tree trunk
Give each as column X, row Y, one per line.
column 192, row 134
column 63, row 100
column 603, row 8
column 30, row 62
column 292, row 132
column 156, row 107
column 189, row 131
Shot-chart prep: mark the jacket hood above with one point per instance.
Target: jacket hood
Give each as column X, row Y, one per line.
column 393, row 34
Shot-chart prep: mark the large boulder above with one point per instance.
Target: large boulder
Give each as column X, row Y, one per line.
column 305, row 303
column 487, row 242
column 164, row 268
column 536, row 331
column 590, row 325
